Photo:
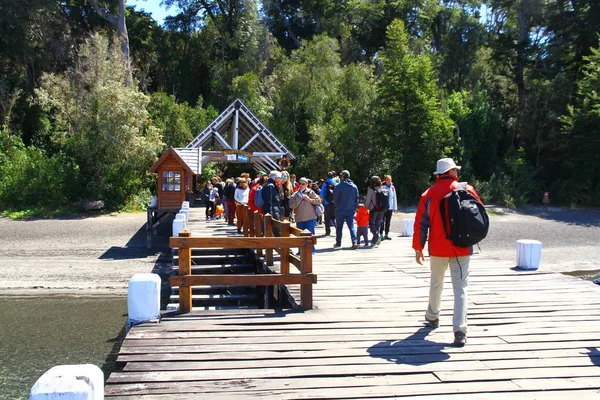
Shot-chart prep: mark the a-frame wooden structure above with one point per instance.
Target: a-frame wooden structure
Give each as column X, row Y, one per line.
column 237, row 135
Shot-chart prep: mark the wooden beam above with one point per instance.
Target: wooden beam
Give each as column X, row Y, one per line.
column 258, row 229
column 268, row 234
column 284, row 260
column 242, row 280
column 249, row 218
column 240, row 243
column 295, row 260
column 185, row 268
column 295, row 231
column 306, row 293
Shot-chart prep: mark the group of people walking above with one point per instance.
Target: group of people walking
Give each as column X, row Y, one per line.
column 281, row 196
column 334, row 201
column 374, row 215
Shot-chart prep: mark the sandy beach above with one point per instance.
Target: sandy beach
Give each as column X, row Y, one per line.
column 97, row 255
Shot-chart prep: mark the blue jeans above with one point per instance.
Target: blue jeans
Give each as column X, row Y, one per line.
column 309, row 226
column 348, row 217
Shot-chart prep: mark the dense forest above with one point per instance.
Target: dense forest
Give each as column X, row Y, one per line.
column 93, row 91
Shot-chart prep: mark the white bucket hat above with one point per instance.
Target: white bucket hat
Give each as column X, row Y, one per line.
column 444, row 165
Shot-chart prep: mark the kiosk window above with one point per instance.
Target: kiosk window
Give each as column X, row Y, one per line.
column 171, row 181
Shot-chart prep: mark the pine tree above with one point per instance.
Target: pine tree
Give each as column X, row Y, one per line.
column 414, row 129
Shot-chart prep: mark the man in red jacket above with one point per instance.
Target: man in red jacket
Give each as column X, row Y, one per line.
column 442, row 251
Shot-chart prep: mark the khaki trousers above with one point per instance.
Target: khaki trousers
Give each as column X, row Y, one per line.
column 459, row 272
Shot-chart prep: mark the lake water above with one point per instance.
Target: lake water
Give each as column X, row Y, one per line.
column 38, row 333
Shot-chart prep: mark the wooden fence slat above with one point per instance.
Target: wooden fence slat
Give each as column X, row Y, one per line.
column 258, row 229
column 284, row 260
column 246, row 222
column 306, row 293
column 295, row 261
column 268, row 234
column 240, row 243
column 185, row 268
column 243, row 280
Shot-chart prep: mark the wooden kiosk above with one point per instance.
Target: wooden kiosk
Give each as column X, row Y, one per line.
column 175, row 171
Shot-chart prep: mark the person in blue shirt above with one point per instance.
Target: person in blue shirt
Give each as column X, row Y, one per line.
column 272, row 196
column 327, row 190
column 345, row 198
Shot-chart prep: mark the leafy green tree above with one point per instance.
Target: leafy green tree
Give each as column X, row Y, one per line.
column 582, row 131
column 169, row 117
column 457, row 35
column 101, row 123
column 305, row 89
column 355, row 147
column 248, row 87
column 146, row 39
column 415, row 130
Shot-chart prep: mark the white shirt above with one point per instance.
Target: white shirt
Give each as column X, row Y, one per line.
column 214, row 192
column 241, row 195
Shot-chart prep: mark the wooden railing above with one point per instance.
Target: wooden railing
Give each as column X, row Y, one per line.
column 290, row 237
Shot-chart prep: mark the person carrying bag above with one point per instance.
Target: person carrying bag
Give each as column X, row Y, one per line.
column 304, row 202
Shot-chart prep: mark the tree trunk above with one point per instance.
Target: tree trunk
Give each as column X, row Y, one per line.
column 124, row 36
column 523, row 39
column 118, row 23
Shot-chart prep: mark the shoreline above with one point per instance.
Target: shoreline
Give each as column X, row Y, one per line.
column 96, row 257
column 32, row 293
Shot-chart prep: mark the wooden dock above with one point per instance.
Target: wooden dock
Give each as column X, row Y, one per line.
column 532, row 335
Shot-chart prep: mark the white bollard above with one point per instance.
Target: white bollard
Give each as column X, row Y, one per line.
column 408, row 227
column 185, row 213
column 186, row 205
column 143, row 298
column 529, row 253
column 69, row 382
column 178, row 225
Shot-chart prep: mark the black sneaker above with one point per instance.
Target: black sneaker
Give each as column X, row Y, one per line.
column 335, row 246
column 460, row 339
column 432, row 323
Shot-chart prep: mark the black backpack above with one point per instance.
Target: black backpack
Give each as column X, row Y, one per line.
column 465, row 220
column 229, row 190
column 382, row 199
column 329, row 193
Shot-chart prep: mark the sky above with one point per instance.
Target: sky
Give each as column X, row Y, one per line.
column 152, row 6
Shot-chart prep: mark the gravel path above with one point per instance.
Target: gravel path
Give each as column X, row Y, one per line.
column 98, row 255
column 81, row 255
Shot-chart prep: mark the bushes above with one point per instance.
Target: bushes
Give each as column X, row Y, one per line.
column 110, row 137
column 513, row 186
column 29, row 177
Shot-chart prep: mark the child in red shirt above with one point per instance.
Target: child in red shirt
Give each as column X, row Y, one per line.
column 362, row 222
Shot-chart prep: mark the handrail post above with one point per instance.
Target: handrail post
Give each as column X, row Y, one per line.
column 251, row 223
column 269, row 233
column 285, row 251
column 185, row 268
column 306, row 294
column 246, row 222
column 257, row 228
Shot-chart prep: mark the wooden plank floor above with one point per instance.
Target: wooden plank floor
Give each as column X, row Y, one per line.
column 532, row 335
